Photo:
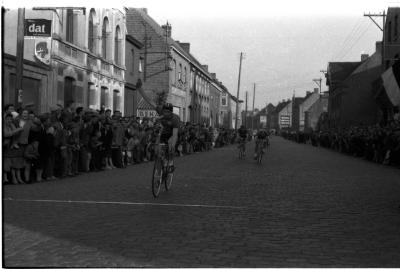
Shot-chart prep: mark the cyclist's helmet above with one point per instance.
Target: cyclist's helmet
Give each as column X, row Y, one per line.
column 168, row 106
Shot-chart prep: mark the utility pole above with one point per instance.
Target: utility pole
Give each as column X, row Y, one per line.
column 20, row 57
column 318, row 81
column 383, row 15
column 252, row 112
column 237, row 95
column 245, row 114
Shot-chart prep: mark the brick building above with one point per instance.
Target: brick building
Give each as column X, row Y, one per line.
column 169, row 67
column 134, row 71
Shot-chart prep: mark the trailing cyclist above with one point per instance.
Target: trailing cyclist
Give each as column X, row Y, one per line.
column 242, row 137
column 262, row 140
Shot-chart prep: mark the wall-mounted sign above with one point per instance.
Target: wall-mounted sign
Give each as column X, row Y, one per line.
column 42, row 49
column 37, row 28
column 284, row 120
column 144, row 113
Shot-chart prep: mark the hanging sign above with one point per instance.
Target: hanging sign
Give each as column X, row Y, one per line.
column 42, row 49
column 37, row 28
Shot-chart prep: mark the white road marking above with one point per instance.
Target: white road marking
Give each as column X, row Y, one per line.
column 121, row 203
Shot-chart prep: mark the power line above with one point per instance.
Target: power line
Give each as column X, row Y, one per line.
column 353, row 38
column 349, row 35
column 363, row 33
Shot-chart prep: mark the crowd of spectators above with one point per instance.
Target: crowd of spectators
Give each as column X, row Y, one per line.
column 380, row 144
column 66, row 142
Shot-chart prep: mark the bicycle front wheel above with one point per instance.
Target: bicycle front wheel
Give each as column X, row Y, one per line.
column 168, row 180
column 260, row 155
column 157, row 177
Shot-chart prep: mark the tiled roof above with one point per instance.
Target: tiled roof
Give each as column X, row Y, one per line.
column 339, row 71
column 143, row 105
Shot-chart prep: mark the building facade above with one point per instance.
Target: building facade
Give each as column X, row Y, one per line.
column 169, row 67
column 87, row 57
column 134, row 71
column 309, row 100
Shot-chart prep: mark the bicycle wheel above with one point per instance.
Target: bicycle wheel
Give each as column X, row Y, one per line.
column 168, row 180
column 260, row 155
column 157, row 177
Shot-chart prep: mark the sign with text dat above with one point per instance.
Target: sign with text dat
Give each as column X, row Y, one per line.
column 37, row 28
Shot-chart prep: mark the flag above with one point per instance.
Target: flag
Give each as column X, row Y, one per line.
column 43, row 49
column 391, row 82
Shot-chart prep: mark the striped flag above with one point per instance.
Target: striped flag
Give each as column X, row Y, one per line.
column 391, row 82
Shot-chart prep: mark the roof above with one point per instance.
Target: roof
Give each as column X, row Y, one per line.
column 281, row 106
column 339, row 71
column 134, row 41
column 144, row 105
column 375, row 60
column 142, row 13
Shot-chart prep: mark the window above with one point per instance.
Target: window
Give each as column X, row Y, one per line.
column 91, row 32
column 104, row 36
column 70, row 26
column 140, row 65
column 173, row 72
column 133, row 62
column 396, row 26
column 180, row 73
column 223, row 99
column 117, row 46
column 389, row 32
column 184, row 76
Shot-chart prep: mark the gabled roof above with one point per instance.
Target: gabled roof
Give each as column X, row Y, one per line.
column 339, row 71
column 160, row 31
column 134, row 41
column 281, row 106
column 144, row 105
column 373, row 61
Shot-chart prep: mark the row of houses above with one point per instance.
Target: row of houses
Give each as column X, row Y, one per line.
column 114, row 59
column 296, row 114
column 364, row 92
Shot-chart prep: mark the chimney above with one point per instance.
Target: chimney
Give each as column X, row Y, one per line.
column 167, row 29
column 144, row 10
column 316, row 90
column 185, row 46
column 364, row 57
column 214, row 76
column 308, row 93
column 205, row 67
column 378, row 47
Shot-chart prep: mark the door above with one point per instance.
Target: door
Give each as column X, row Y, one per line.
column 69, row 90
column 30, row 93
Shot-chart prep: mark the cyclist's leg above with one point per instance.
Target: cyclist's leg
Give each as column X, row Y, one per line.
column 256, row 149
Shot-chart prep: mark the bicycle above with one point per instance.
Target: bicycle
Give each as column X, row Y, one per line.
column 162, row 172
column 260, row 149
column 241, row 149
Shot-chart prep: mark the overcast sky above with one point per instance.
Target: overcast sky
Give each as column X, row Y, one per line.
column 286, row 43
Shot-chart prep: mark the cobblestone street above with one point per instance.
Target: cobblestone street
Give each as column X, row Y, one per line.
column 303, row 207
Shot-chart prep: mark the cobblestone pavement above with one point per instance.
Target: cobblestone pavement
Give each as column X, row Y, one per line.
column 303, row 207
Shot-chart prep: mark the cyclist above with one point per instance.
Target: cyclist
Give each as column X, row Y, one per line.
column 170, row 126
column 242, row 136
column 261, row 140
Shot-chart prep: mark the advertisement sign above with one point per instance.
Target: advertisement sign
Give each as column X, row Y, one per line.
column 146, row 113
column 37, row 28
column 284, row 120
column 42, row 49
